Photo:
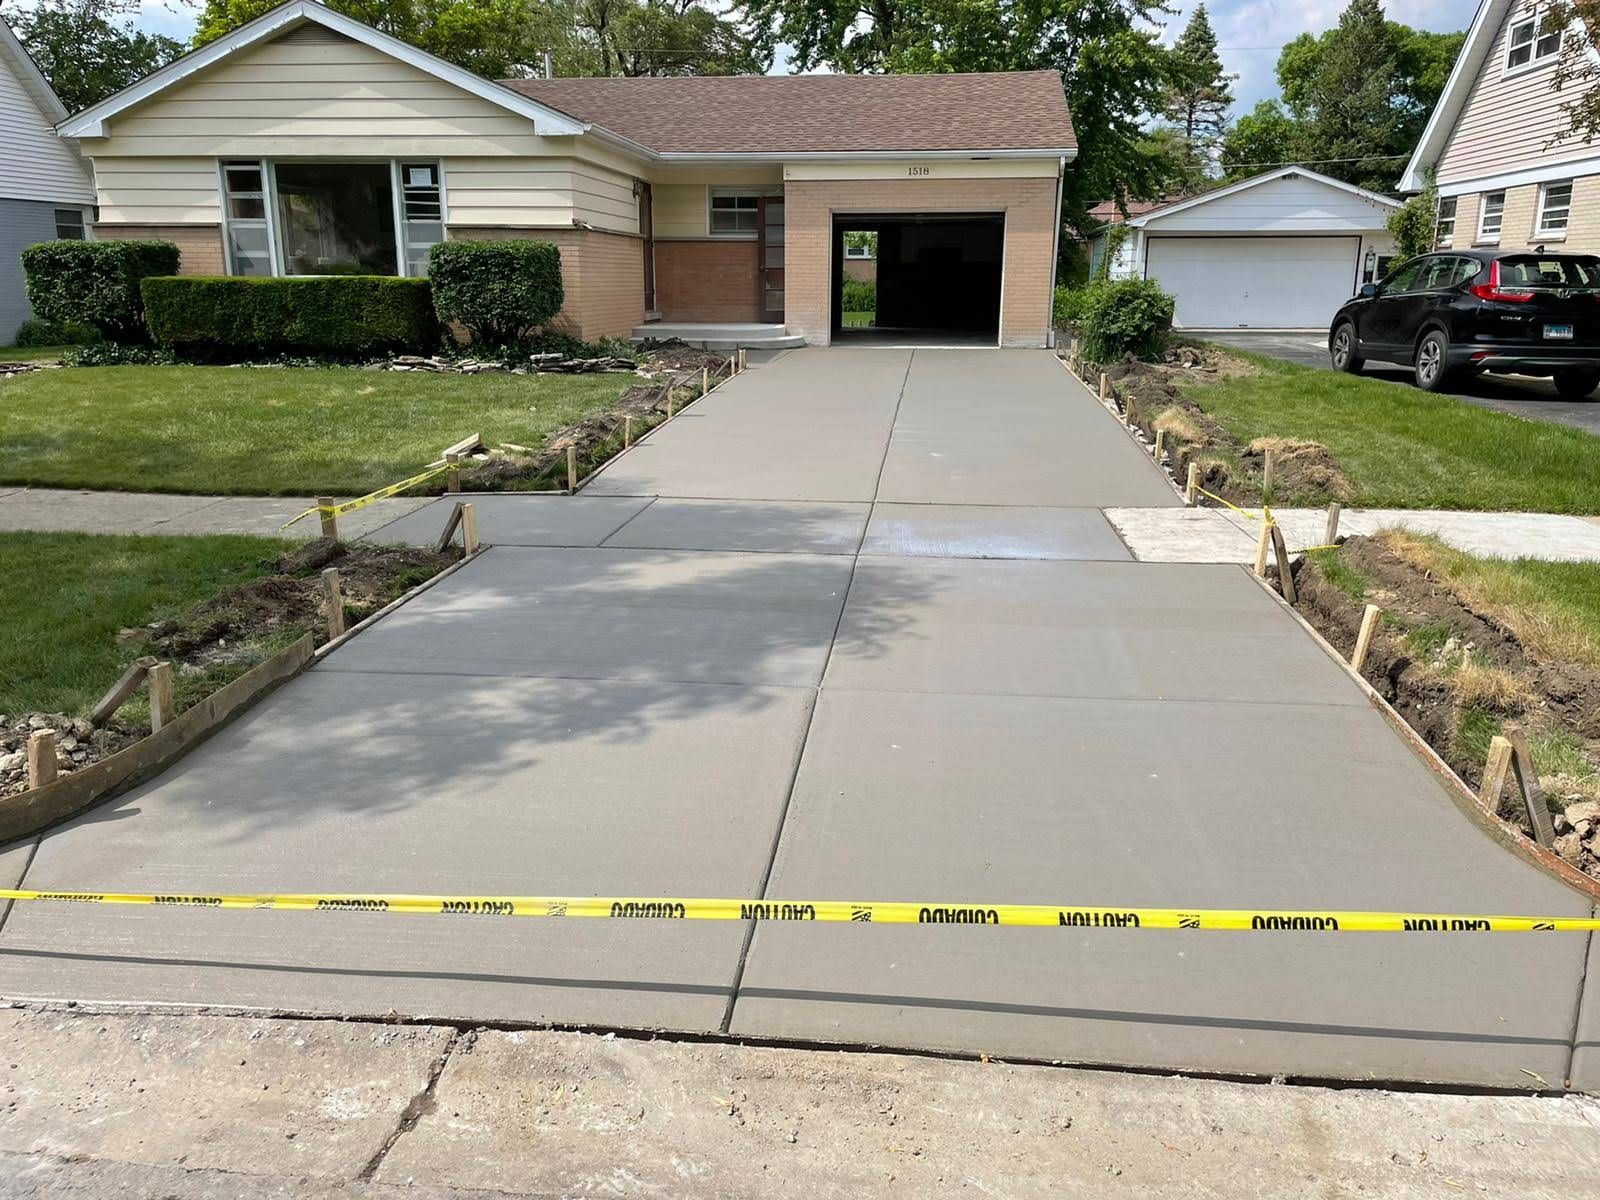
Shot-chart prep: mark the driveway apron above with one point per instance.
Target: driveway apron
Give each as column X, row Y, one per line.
column 852, row 627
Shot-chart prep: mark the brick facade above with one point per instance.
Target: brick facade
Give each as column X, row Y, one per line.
column 199, row 246
column 1029, row 206
column 601, row 273
column 713, row 279
column 1518, row 223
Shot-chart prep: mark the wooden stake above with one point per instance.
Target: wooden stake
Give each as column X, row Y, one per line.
column 1544, row 830
column 1330, row 535
column 1262, row 545
column 1285, row 574
column 1161, row 444
column 627, row 433
column 120, row 691
column 330, row 521
column 449, row 528
column 469, row 529
column 743, row 361
column 1269, row 465
column 572, row 468
column 669, row 401
column 1494, row 775
column 453, row 475
column 1191, row 491
column 41, row 757
column 162, row 708
column 334, row 595
column 1130, row 411
column 705, row 380
column 1369, row 626
column 1105, row 387
column 733, row 367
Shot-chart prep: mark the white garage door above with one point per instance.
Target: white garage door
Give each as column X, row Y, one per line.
column 1255, row 282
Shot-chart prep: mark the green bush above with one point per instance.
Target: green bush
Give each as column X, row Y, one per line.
column 1069, row 304
column 500, row 291
column 860, row 295
column 1125, row 316
column 219, row 317
column 95, row 283
column 48, row 333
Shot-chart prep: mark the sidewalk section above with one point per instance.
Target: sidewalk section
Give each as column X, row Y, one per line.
column 65, row 510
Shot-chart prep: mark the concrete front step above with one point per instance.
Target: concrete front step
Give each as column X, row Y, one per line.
column 728, row 336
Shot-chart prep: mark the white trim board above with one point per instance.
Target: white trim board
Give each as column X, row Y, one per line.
column 1575, row 168
column 1233, row 189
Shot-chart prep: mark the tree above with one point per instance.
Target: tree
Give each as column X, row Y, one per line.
column 1575, row 68
column 1263, row 138
column 660, row 37
column 1112, row 67
column 1199, row 92
column 89, row 49
column 1413, row 225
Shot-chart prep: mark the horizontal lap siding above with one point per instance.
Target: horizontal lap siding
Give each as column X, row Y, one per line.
column 38, row 164
column 22, row 223
column 158, row 191
column 1029, row 206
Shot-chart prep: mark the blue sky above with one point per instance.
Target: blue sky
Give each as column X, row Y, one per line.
column 1250, row 31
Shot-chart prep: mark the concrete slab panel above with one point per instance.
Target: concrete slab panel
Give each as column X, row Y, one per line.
column 1117, row 630
column 308, row 1098
column 422, row 784
column 1183, row 535
column 661, row 615
column 977, row 799
column 1585, row 1070
column 987, row 427
column 977, row 531
column 745, row 525
column 810, row 425
column 512, row 520
column 43, row 509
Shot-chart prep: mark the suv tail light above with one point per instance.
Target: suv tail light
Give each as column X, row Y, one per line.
column 1493, row 291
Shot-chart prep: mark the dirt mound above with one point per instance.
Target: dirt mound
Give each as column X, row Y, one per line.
column 1298, row 467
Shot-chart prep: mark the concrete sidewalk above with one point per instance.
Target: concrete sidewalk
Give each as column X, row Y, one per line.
column 218, row 1108
column 836, row 633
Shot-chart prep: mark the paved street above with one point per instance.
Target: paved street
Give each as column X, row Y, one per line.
column 853, row 627
column 1523, row 397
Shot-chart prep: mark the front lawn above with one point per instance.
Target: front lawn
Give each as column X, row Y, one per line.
column 31, row 353
column 64, row 597
column 856, row 320
column 1402, row 448
column 268, row 431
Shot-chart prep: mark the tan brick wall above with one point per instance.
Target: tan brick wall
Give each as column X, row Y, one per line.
column 1029, row 206
column 1517, row 225
column 601, row 273
column 199, row 246
column 707, row 280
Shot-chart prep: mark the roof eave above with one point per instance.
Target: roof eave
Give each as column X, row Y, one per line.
column 783, row 156
column 29, row 75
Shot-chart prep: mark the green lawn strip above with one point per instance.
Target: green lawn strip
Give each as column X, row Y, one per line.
column 266, row 431
column 65, row 596
column 857, row 320
column 31, row 353
column 1403, row 448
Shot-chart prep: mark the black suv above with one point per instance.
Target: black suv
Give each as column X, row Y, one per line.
column 1460, row 311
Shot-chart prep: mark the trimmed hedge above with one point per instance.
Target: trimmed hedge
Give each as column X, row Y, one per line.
column 35, row 332
column 860, row 295
column 95, row 283
column 500, row 291
column 222, row 317
column 1125, row 316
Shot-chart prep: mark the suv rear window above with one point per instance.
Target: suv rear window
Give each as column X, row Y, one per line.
column 1551, row 270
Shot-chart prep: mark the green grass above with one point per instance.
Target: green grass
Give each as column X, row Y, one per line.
column 1349, row 580
column 31, row 353
column 65, row 596
column 857, row 320
column 256, row 431
column 1402, row 448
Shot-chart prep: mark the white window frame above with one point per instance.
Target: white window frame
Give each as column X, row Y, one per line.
column 1442, row 238
column 857, row 252
column 83, row 222
column 1536, row 60
column 269, row 185
column 731, row 193
column 1541, row 233
column 1487, row 236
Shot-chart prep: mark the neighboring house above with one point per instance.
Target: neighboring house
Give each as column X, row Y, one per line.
column 861, row 261
column 45, row 190
column 1494, row 145
column 306, row 142
column 1103, row 220
column 1281, row 250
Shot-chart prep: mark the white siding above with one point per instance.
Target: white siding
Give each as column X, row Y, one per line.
column 157, row 191
column 1508, row 119
column 1288, row 205
column 539, row 191
column 38, row 165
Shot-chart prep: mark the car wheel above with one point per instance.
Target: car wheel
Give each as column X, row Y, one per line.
column 1429, row 364
column 1342, row 349
column 1576, row 385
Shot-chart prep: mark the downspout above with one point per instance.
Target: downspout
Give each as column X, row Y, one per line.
column 1055, row 257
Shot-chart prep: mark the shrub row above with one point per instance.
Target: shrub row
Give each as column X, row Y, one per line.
column 95, row 283
column 500, row 291
column 1118, row 317
column 860, row 295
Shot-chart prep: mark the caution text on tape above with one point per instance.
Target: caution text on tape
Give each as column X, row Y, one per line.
column 383, row 493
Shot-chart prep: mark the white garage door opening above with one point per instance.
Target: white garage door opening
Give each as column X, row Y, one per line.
column 1255, row 282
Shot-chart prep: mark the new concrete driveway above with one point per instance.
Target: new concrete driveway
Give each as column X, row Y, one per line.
column 853, row 627
column 1519, row 395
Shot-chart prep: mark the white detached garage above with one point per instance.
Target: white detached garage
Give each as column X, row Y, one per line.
column 1279, row 251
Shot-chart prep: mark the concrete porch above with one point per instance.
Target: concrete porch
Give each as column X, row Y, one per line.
column 720, row 336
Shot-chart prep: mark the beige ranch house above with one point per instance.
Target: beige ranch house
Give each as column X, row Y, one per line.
column 1507, row 174
column 307, row 143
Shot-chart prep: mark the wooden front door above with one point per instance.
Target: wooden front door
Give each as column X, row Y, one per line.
column 769, row 265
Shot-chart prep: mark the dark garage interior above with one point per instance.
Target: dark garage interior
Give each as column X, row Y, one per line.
column 938, row 276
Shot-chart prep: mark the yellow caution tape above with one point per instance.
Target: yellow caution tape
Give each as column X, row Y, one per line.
column 1245, row 512
column 383, row 493
column 856, row 911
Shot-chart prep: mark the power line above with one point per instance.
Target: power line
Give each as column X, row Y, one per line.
column 1308, row 162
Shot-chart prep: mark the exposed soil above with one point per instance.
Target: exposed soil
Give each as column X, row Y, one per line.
column 1428, row 689
column 220, row 638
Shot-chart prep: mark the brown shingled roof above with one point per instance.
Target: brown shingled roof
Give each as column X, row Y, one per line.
column 785, row 114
